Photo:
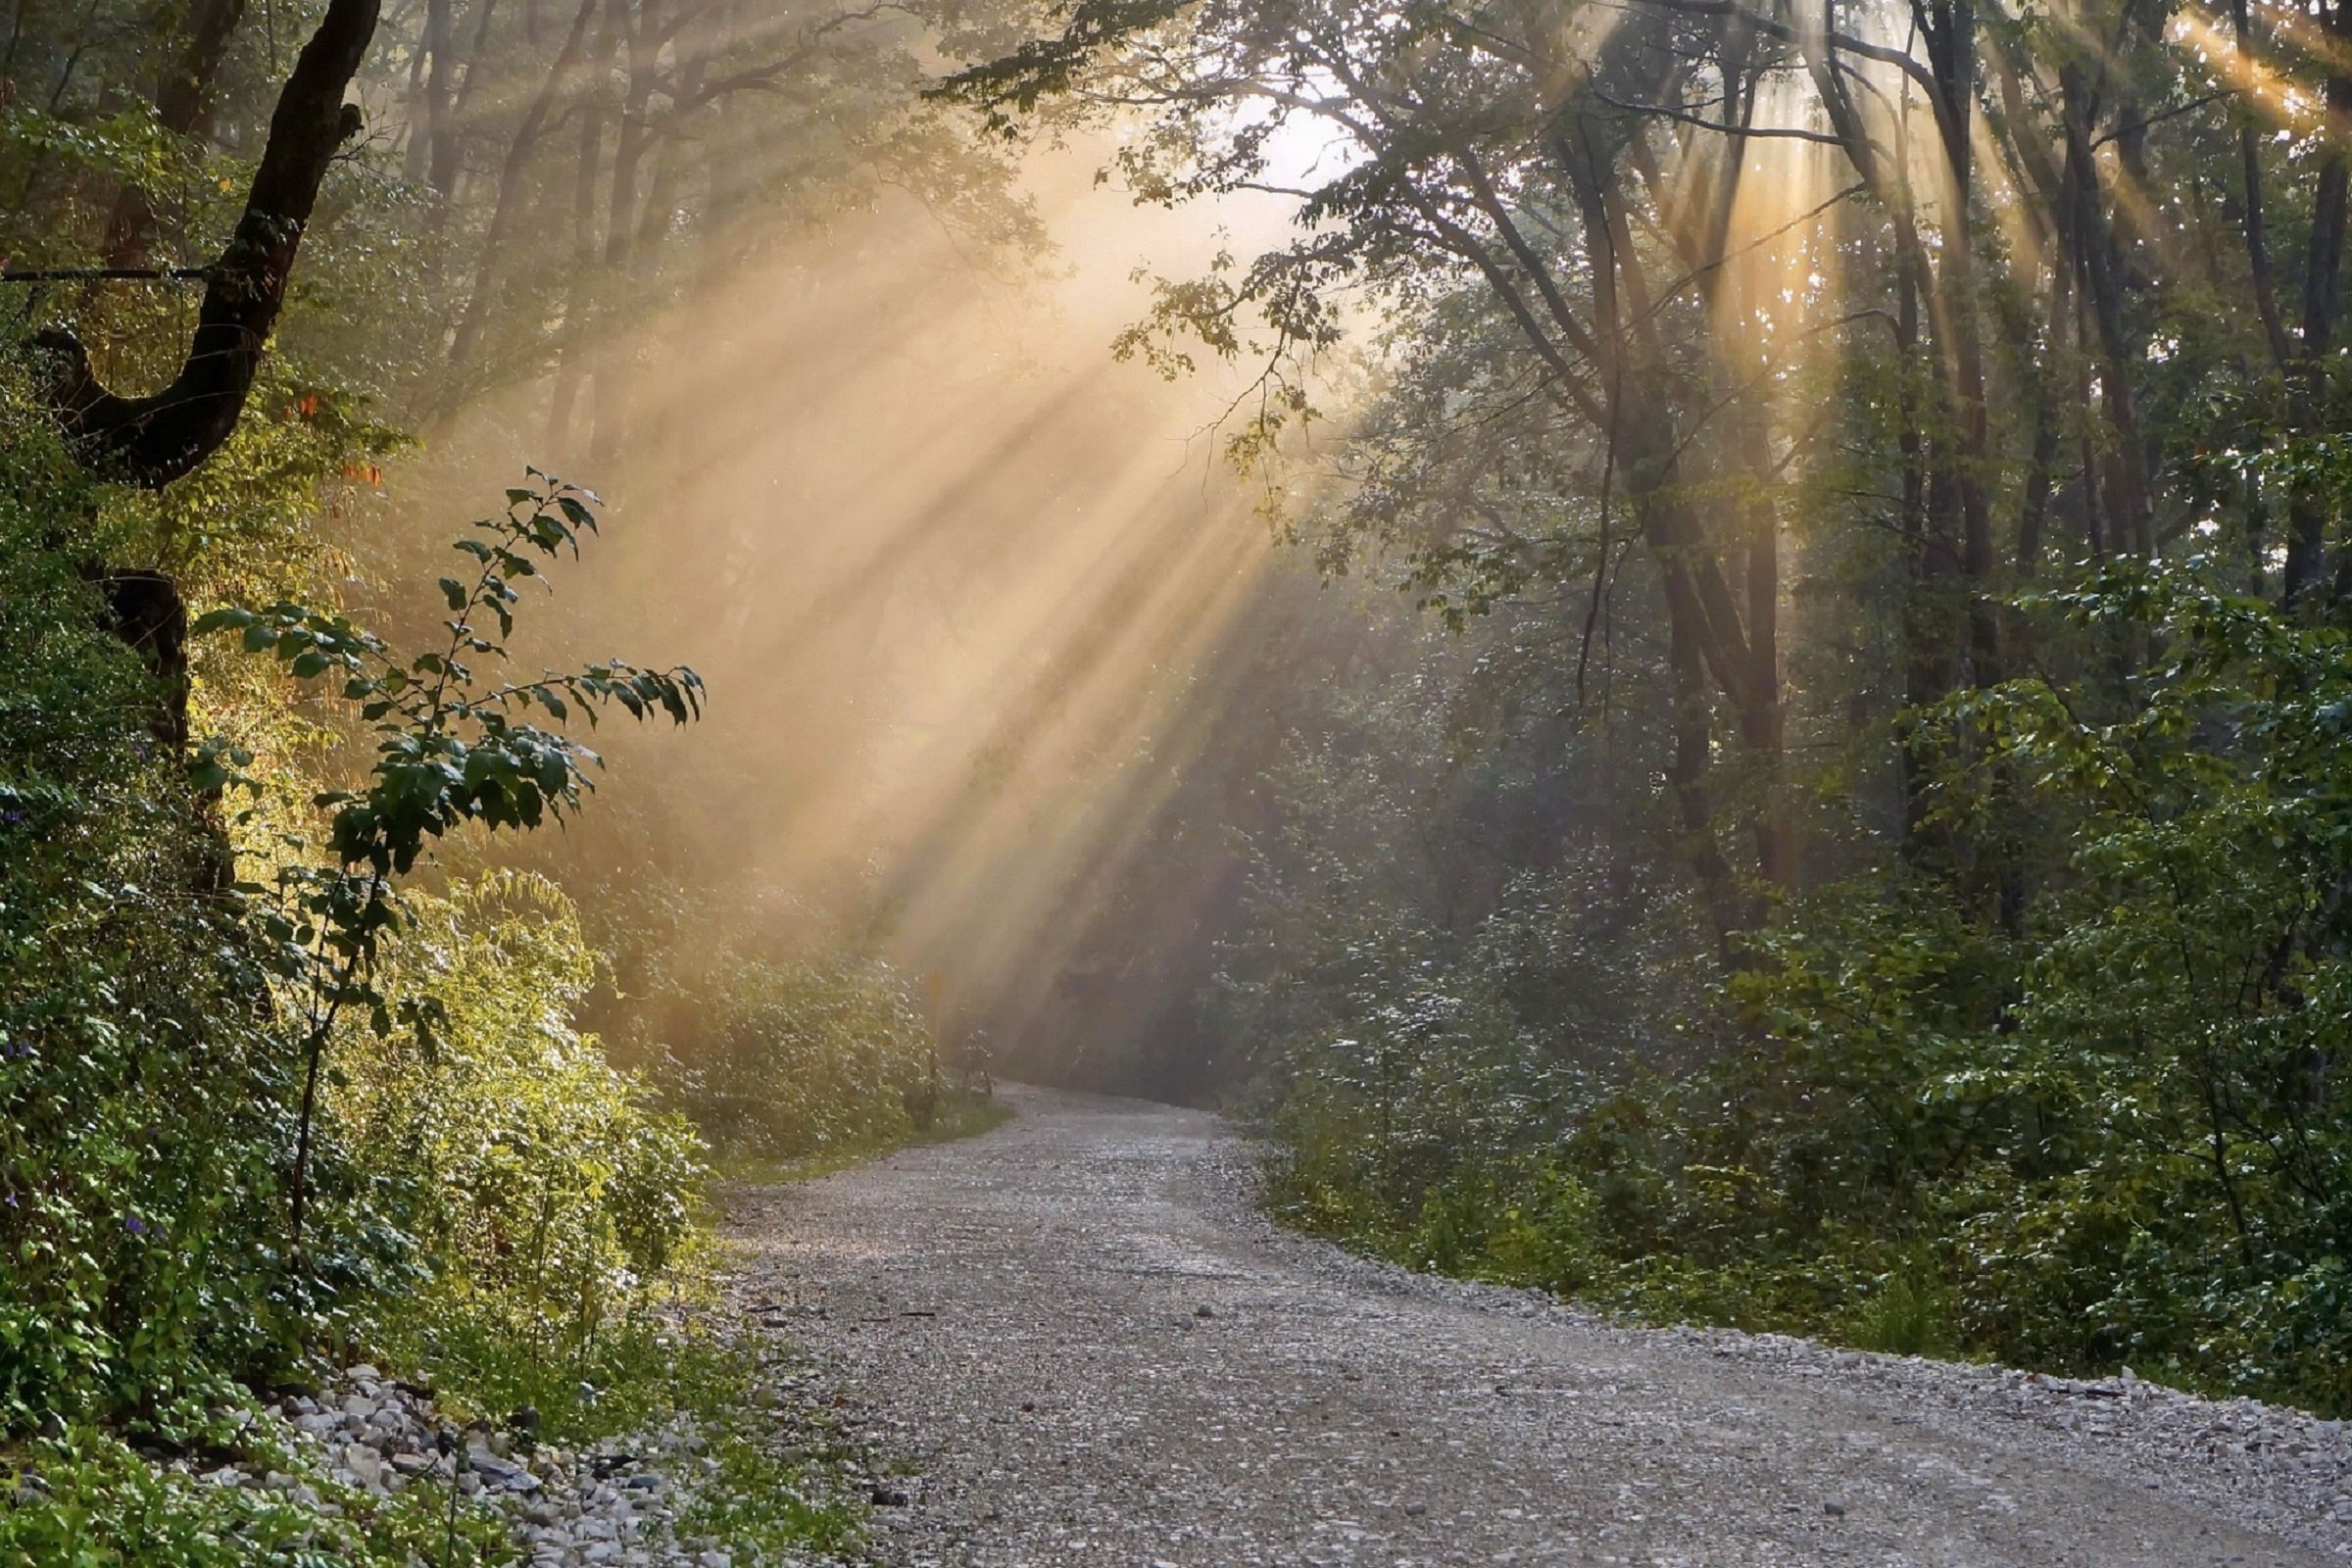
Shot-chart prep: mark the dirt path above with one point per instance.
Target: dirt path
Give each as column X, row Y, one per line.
column 1098, row 1356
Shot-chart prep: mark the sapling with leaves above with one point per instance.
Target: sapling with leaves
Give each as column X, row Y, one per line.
column 455, row 743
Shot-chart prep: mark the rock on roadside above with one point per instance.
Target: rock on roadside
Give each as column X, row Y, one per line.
column 619, row 1503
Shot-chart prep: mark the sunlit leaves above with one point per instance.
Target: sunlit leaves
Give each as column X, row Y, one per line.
column 453, row 744
column 451, row 747
column 502, row 1119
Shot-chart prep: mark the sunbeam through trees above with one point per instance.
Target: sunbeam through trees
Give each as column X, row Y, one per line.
column 1698, row 651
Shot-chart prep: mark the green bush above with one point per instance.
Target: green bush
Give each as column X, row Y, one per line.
column 142, row 1077
column 2102, row 1133
column 161, row 1029
column 543, row 1187
column 793, row 1058
column 86, row 1499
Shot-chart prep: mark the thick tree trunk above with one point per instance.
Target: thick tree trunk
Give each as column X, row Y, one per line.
column 150, row 618
column 1762, row 719
column 2044, row 455
column 1952, row 53
column 1641, row 434
column 150, row 441
column 2255, row 226
column 2323, row 271
column 2129, row 515
column 1727, row 912
column 573, row 356
column 440, row 92
column 633, row 139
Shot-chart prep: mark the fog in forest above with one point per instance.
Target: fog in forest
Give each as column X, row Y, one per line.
column 966, row 588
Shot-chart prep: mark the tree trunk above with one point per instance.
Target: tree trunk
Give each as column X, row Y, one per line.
column 608, row 410
column 2256, row 232
column 573, row 356
column 150, row 441
column 440, row 151
column 2044, row 455
column 1694, row 737
column 183, row 105
column 2307, row 513
column 510, row 193
column 2128, row 513
column 150, row 617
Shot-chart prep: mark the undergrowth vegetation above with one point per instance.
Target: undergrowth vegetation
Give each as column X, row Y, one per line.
column 144, row 1077
column 94, row 1502
column 2099, row 1139
column 645, row 1372
column 780, row 1045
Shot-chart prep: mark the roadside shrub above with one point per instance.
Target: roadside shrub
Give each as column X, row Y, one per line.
column 543, row 1185
column 161, row 1028
column 2105, row 1129
column 2059, row 1150
column 141, row 1078
column 92, row 1501
column 793, row 1058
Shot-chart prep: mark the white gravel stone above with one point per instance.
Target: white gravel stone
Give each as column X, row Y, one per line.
column 374, row 1437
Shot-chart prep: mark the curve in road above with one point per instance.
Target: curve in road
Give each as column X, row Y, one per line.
column 1099, row 1354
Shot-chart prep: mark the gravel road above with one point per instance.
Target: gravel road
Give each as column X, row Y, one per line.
column 1094, row 1352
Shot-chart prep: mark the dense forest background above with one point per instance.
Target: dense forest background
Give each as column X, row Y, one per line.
column 1795, row 774
column 1784, row 763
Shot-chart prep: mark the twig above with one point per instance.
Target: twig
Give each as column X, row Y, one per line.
column 72, row 274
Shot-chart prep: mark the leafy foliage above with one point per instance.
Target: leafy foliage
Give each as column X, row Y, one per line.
column 2103, row 1140
column 152, row 1255
column 545, row 1186
column 142, row 1078
column 97, row 1503
column 803, row 1056
column 450, row 750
